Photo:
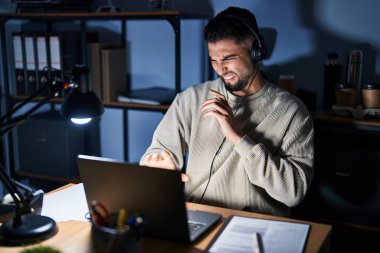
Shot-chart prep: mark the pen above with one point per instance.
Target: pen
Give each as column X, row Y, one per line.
column 99, row 213
column 121, row 217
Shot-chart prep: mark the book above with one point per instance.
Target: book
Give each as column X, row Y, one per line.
column 95, row 65
column 151, row 96
column 114, row 78
column 247, row 234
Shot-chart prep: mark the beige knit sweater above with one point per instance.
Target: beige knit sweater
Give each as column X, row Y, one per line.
column 269, row 171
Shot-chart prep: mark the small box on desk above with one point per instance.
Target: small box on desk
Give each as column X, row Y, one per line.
column 49, row 145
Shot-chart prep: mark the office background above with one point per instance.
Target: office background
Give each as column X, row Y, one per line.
column 305, row 32
column 302, row 32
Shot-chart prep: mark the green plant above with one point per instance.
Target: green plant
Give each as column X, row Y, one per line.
column 41, row 249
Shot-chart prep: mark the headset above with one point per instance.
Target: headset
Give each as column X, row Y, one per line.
column 258, row 49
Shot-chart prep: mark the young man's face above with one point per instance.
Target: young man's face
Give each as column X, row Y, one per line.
column 232, row 62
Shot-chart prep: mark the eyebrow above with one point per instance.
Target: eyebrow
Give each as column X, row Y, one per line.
column 225, row 57
column 229, row 56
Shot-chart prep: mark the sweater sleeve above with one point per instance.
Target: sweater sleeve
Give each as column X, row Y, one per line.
column 287, row 173
column 168, row 134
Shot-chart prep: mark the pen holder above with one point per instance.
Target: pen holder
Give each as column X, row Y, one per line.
column 107, row 239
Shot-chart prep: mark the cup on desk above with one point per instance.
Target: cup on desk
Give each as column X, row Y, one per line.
column 371, row 95
column 106, row 239
column 345, row 94
column 288, row 82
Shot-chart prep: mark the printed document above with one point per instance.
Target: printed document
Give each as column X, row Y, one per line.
column 244, row 234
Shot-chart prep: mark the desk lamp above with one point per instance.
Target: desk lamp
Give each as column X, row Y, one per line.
column 28, row 227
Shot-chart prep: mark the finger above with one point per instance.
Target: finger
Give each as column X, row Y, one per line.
column 154, row 157
column 214, row 114
column 215, row 93
column 210, row 101
column 168, row 159
column 147, row 158
column 217, row 100
column 217, row 108
column 184, row 177
column 165, row 155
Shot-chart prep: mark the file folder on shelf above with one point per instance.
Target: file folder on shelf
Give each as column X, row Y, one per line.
column 55, row 60
column 42, row 61
column 31, row 64
column 18, row 63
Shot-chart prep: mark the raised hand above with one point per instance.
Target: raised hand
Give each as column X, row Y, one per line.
column 163, row 161
column 219, row 109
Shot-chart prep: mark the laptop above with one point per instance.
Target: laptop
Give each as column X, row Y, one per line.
column 156, row 193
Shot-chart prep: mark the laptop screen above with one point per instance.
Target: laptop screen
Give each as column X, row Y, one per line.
column 156, row 193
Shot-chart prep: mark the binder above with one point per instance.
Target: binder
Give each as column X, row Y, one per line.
column 55, row 59
column 42, row 61
column 18, row 63
column 113, row 73
column 31, row 64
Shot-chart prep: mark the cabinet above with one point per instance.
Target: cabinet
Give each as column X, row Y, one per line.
column 172, row 17
column 346, row 186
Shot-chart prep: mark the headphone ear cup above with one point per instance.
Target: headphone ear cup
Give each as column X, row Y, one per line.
column 256, row 54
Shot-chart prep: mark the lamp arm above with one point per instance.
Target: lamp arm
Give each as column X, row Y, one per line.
column 23, row 103
column 22, row 205
column 8, row 125
column 13, row 191
column 7, row 122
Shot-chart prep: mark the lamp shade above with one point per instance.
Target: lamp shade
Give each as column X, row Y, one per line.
column 81, row 105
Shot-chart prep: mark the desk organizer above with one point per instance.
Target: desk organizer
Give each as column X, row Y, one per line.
column 106, row 239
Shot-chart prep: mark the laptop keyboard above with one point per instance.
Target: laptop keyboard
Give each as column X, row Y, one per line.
column 195, row 226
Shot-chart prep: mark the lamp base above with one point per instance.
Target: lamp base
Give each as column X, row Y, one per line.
column 33, row 229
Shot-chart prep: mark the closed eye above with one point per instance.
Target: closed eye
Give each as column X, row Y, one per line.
column 226, row 58
column 229, row 58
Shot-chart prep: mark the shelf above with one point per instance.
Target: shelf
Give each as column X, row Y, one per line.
column 137, row 106
column 45, row 177
column 101, row 15
column 106, row 104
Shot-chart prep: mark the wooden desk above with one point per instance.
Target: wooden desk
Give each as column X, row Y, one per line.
column 74, row 236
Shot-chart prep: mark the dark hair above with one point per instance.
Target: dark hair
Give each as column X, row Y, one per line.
column 232, row 23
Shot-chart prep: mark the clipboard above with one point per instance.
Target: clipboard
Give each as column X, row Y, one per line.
column 247, row 234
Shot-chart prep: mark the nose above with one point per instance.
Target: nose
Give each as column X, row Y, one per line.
column 219, row 67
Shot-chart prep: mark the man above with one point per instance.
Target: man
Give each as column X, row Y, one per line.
column 249, row 144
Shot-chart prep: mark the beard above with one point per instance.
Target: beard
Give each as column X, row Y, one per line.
column 238, row 86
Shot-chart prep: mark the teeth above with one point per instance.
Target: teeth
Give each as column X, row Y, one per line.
column 229, row 76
